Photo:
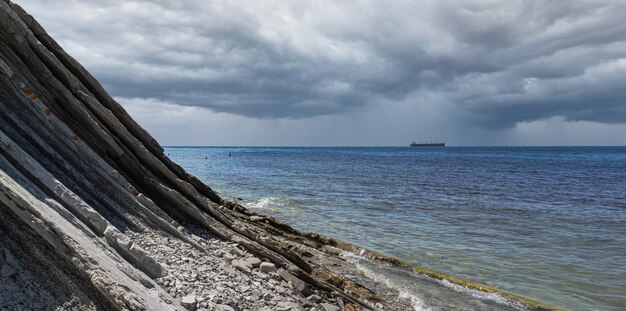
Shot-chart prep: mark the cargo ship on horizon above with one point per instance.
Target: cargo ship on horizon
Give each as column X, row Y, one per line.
column 427, row 144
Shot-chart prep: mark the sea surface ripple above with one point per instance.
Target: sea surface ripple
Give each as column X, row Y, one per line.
column 548, row 223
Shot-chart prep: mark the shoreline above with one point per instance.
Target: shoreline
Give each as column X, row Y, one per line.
column 378, row 256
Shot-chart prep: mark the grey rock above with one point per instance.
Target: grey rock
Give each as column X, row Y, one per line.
column 329, row 307
column 241, row 266
column 267, row 267
column 237, row 252
column 297, row 284
column 8, row 270
column 252, row 262
column 314, row 298
column 189, row 302
column 224, row 308
column 289, row 306
column 10, row 259
column 306, row 303
column 229, row 257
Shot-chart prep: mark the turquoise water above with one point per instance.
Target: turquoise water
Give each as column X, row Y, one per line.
column 544, row 222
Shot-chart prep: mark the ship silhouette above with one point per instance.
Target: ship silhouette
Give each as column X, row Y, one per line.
column 427, row 144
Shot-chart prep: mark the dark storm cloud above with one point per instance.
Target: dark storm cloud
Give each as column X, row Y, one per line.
column 491, row 63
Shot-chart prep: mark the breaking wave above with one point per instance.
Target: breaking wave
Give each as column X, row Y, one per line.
column 270, row 203
column 403, row 293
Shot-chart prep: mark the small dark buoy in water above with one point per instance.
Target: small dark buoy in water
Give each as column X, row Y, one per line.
column 206, row 158
column 229, row 154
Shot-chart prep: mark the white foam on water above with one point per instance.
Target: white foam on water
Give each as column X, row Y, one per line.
column 269, row 203
column 482, row 295
column 403, row 293
column 417, row 303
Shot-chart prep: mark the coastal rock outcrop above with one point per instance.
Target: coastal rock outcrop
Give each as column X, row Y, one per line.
column 98, row 218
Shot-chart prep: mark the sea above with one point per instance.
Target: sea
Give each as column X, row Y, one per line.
column 548, row 223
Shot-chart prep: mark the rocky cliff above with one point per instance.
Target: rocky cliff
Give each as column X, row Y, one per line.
column 93, row 215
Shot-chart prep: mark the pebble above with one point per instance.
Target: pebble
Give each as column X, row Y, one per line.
column 224, row 308
column 252, row 262
column 214, row 280
column 189, row 302
column 240, row 265
column 237, row 252
column 267, row 267
column 329, row 307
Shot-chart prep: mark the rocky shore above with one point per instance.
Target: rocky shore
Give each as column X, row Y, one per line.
column 94, row 215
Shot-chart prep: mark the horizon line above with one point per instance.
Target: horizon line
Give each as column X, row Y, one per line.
column 376, row 146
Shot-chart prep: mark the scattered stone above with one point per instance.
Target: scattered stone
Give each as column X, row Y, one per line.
column 267, row 267
column 241, row 266
column 237, row 252
column 289, row 306
column 8, row 271
column 230, row 257
column 252, row 262
column 224, row 308
column 329, row 307
column 189, row 302
column 297, row 284
column 256, row 218
column 380, row 306
column 314, row 298
column 353, row 307
column 306, row 303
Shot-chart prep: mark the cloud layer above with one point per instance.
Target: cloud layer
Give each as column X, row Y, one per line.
column 488, row 64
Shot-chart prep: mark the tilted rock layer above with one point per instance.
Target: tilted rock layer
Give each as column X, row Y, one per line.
column 93, row 215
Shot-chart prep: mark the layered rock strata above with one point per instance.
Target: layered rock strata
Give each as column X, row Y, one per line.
column 93, row 214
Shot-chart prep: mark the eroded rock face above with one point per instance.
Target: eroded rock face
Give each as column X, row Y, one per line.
column 83, row 185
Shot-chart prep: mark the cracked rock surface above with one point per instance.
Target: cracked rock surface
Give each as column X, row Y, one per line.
column 94, row 215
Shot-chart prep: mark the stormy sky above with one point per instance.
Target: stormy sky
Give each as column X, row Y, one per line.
column 368, row 72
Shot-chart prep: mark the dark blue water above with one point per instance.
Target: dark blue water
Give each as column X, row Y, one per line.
column 546, row 223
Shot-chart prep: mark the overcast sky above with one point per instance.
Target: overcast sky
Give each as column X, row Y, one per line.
column 489, row 72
